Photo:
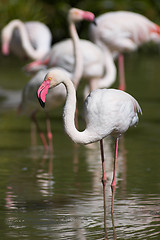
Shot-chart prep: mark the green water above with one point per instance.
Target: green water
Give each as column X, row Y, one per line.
column 59, row 196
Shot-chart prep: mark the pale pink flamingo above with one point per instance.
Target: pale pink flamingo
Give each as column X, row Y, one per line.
column 26, row 39
column 29, row 102
column 94, row 66
column 123, row 31
column 106, row 111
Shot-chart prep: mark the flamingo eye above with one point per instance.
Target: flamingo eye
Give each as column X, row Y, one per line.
column 49, row 78
column 76, row 12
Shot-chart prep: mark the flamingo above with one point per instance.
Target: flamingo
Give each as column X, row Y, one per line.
column 123, row 31
column 26, row 39
column 100, row 71
column 107, row 112
column 29, row 105
column 29, row 102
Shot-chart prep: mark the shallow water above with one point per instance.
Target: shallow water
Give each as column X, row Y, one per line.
column 59, row 195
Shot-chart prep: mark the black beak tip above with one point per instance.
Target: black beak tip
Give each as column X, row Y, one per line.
column 94, row 22
column 41, row 102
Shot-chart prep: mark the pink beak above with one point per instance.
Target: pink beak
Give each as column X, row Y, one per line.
column 42, row 92
column 89, row 16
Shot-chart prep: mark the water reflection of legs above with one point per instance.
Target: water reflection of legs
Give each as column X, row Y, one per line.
column 49, row 132
column 45, row 178
column 112, row 214
column 75, row 158
column 50, row 162
column 33, row 135
column 105, row 225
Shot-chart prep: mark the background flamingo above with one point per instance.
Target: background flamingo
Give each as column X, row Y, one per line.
column 123, row 31
column 107, row 112
column 29, row 39
column 100, row 71
column 29, row 100
column 97, row 70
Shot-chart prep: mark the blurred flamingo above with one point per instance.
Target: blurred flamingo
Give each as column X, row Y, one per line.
column 26, row 39
column 123, row 31
column 30, row 106
column 29, row 101
column 94, row 66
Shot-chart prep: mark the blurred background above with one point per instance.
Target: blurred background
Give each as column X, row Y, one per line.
column 53, row 12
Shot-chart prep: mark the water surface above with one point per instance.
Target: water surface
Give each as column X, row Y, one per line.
column 59, row 195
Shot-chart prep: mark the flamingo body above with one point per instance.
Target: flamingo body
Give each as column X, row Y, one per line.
column 110, row 112
column 62, row 55
column 124, row 31
column 96, row 64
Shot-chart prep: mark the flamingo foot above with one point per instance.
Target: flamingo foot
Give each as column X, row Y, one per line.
column 104, row 180
column 113, row 185
column 50, row 136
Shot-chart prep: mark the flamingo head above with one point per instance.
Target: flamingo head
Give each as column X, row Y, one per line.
column 76, row 15
column 51, row 80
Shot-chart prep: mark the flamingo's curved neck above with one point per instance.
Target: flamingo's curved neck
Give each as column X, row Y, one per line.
column 110, row 72
column 110, row 69
column 83, row 137
column 78, row 70
column 26, row 44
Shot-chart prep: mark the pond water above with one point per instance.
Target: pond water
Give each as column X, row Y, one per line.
column 60, row 195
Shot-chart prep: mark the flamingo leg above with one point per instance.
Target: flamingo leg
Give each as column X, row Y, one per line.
column 33, row 117
column 113, row 185
column 104, row 180
column 49, row 132
column 115, row 163
column 122, row 84
column 113, row 194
